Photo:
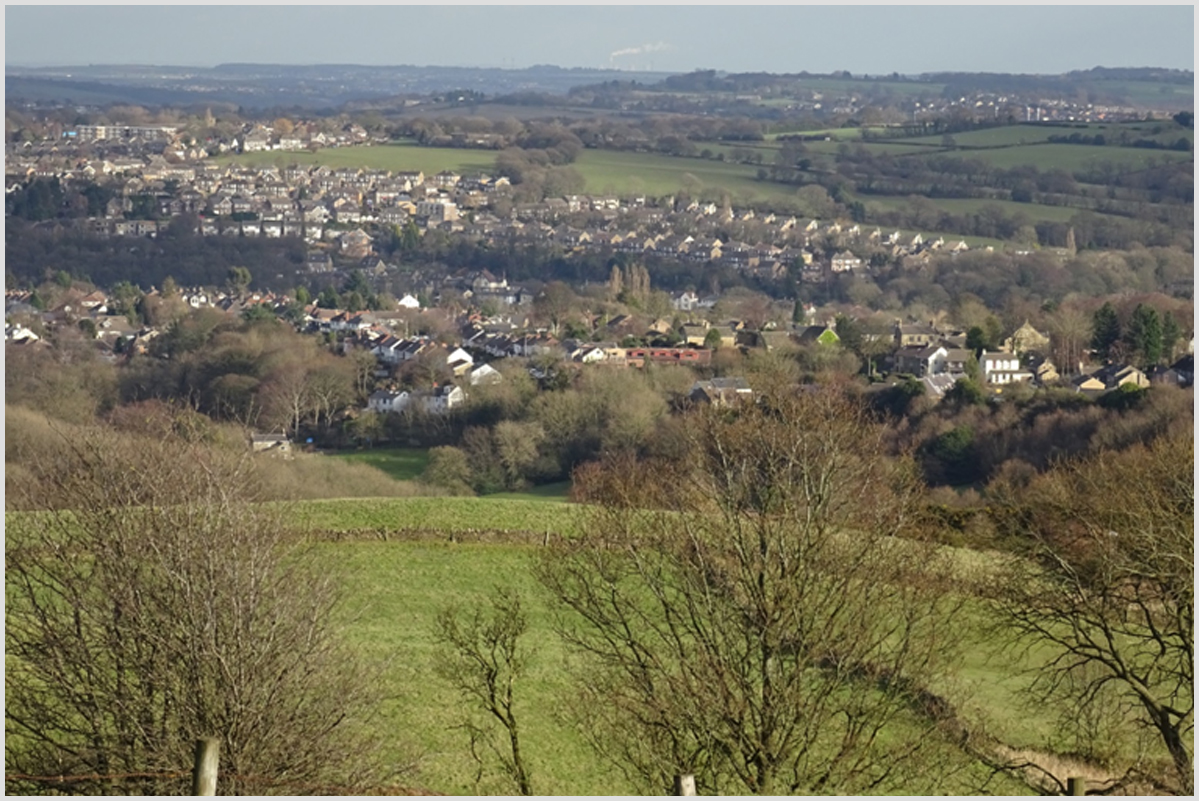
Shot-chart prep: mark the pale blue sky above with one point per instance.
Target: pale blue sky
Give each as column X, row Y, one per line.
column 861, row 39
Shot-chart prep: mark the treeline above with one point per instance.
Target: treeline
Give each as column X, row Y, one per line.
column 1099, row 85
column 973, row 443
column 1099, row 140
column 951, row 176
column 1017, row 286
column 47, row 199
column 33, row 252
column 612, row 133
column 261, row 374
column 1091, row 231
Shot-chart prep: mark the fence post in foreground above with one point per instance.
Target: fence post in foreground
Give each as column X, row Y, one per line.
column 205, row 770
column 684, row 784
column 1076, row 785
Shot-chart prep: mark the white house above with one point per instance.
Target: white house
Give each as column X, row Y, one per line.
column 1002, row 368
column 457, row 356
column 485, row 374
column 685, row 301
column 19, row 333
column 845, row 262
column 408, row 302
column 588, row 354
column 384, row 401
column 929, row 360
column 441, row 399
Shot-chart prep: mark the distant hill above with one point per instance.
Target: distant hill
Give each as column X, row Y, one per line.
column 279, row 85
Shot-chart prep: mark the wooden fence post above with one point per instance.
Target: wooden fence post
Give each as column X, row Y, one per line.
column 684, row 784
column 1076, row 785
column 205, row 770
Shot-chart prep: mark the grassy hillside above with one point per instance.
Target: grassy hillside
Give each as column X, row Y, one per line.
column 1034, row 212
column 1072, row 157
column 402, row 464
column 395, row 591
column 443, row 514
column 613, row 172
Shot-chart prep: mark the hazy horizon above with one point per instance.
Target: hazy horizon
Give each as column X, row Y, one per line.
column 873, row 40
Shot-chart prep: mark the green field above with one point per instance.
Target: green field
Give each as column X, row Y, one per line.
column 1034, row 212
column 832, row 133
column 402, row 464
column 557, row 492
column 605, row 171
column 408, row 464
column 620, row 173
column 1035, row 133
column 395, row 591
column 874, row 148
column 1073, row 157
column 445, row 514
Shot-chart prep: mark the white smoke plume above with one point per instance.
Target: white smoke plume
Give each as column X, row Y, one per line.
column 656, row 47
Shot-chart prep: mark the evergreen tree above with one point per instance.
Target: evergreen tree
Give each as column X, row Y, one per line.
column 410, row 237
column 972, row 369
column 238, row 280
column 850, row 333
column 1171, row 333
column 1144, row 335
column 994, row 330
column 1105, row 330
column 353, row 301
column 976, row 339
column 328, row 299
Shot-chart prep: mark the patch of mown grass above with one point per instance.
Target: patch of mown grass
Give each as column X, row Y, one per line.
column 1072, row 158
column 396, row 589
column 622, row 173
column 1032, row 211
column 557, row 492
column 394, row 593
column 402, row 464
column 444, row 514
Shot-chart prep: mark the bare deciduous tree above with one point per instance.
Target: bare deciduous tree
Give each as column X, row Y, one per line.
column 748, row 615
column 1108, row 588
column 484, row 661
column 150, row 603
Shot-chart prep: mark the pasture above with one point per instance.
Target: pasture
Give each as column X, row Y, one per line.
column 1032, row 211
column 1073, row 158
column 443, row 514
column 1033, row 133
column 395, row 590
column 625, row 173
column 402, row 464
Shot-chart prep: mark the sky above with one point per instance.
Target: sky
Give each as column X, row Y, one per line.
column 677, row 38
